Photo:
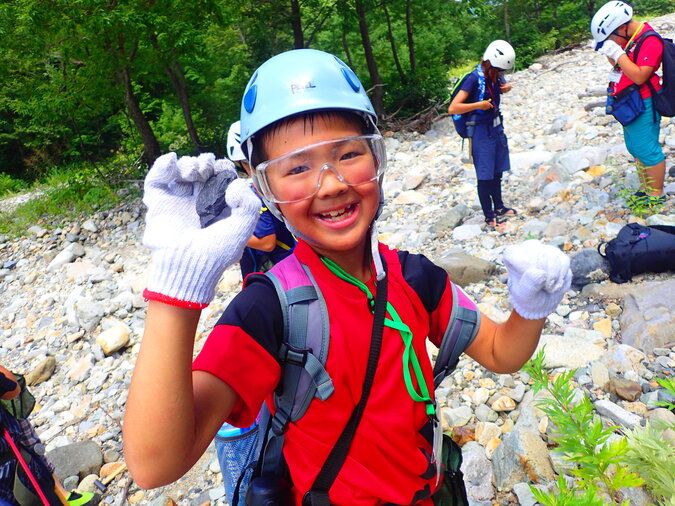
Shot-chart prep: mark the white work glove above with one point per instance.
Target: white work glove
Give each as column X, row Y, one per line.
column 188, row 261
column 539, row 276
column 612, row 50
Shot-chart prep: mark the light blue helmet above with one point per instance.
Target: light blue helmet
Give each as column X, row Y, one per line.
column 299, row 81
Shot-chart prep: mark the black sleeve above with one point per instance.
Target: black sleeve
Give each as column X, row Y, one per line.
column 425, row 277
column 257, row 311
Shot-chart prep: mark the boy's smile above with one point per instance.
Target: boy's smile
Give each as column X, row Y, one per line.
column 336, row 220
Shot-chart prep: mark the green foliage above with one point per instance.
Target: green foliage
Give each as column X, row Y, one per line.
column 669, row 385
column 653, row 460
column 640, row 205
column 66, row 192
column 581, row 436
column 567, row 496
column 82, row 81
column 9, row 184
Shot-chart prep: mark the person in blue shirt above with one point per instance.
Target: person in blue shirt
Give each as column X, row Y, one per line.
column 479, row 96
column 271, row 241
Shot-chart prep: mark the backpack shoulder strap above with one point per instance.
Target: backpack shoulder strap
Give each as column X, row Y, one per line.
column 455, row 88
column 302, row 354
column 459, row 333
column 641, row 40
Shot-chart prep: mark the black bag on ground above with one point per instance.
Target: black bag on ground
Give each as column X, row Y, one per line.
column 637, row 249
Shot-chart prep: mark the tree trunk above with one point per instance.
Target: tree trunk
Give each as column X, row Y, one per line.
column 150, row 143
column 376, row 81
column 507, row 26
column 392, row 43
column 296, row 21
column 345, row 47
column 411, row 39
column 177, row 76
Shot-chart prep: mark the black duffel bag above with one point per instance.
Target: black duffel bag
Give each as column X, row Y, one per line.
column 637, row 249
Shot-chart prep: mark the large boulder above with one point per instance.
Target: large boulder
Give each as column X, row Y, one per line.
column 77, row 459
column 522, row 456
column 568, row 351
column 452, row 218
column 477, row 473
column 648, row 319
column 465, row 269
column 588, row 266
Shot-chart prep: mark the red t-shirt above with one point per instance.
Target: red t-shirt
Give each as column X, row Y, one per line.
column 390, row 457
column 650, row 55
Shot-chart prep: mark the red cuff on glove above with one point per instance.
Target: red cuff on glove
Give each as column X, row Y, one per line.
column 165, row 299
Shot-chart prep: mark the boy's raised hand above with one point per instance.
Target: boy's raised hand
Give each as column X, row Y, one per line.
column 539, row 276
column 188, row 261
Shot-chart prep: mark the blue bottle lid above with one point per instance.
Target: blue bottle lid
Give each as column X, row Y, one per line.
column 228, row 430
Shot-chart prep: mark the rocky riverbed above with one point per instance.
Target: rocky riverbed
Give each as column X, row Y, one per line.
column 71, row 314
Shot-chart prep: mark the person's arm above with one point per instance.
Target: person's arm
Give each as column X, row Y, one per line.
column 539, row 276
column 638, row 74
column 266, row 243
column 505, row 347
column 7, row 385
column 459, row 105
column 505, row 87
column 172, row 413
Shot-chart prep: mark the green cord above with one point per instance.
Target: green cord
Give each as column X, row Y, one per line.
column 395, row 322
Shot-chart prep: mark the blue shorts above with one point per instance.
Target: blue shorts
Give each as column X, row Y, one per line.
column 490, row 151
column 642, row 136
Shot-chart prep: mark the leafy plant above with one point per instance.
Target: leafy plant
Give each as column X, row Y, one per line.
column 581, row 436
column 567, row 496
column 653, row 460
column 8, row 184
column 669, row 385
column 67, row 192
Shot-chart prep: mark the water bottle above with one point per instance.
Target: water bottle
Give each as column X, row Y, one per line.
column 236, row 449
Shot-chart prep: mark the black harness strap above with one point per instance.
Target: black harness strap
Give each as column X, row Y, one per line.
column 318, row 495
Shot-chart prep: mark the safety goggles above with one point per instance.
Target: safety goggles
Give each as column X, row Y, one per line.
column 298, row 175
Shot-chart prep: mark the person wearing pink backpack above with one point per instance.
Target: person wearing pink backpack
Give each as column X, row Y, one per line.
column 368, row 431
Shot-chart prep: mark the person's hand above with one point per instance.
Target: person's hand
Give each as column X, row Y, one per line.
column 485, row 105
column 505, row 88
column 188, row 261
column 611, row 50
column 539, row 276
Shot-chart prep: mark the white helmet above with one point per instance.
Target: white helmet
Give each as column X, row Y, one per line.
column 608, row 18
column 500, row 54
column 234, row 151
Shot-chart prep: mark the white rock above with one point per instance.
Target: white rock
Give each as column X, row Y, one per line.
column 466, row 232
column 568, row 352
column 114, row 338
column 90, row 226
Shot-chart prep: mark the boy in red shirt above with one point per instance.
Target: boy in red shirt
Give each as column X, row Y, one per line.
column 309, row 131
column 617, row 36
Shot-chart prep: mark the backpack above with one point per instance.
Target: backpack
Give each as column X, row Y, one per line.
column 464, row 123
column 25, row 476
column 664, row 99
column 637, row 249
column 303, row 355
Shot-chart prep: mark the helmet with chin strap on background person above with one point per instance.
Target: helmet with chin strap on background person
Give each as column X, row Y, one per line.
column 500, row 54
column 609, row 17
